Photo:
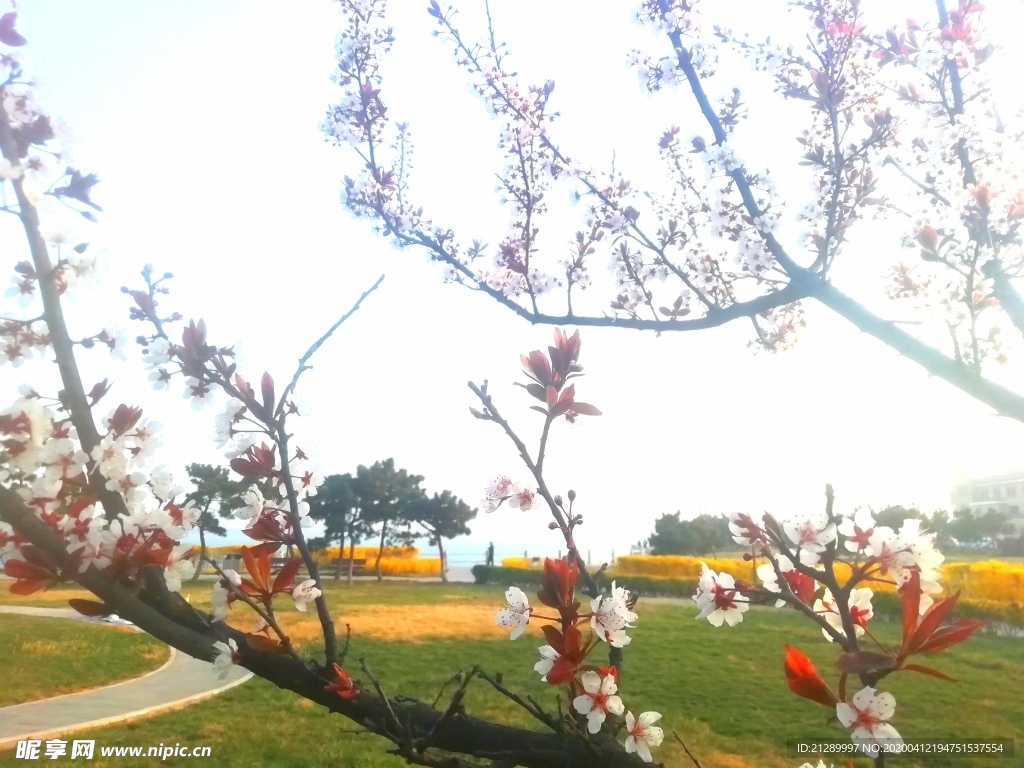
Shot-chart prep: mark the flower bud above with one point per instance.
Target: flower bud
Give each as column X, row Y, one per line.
column 572, row 495
column 558, row 500
column 552, row 526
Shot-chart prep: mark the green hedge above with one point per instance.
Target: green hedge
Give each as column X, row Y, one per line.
column 886, row 604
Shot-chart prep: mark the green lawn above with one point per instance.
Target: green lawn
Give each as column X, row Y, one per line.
column 722, row 689
column 47, row 657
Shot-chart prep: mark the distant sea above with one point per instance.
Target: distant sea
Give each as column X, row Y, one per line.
column 465, row 551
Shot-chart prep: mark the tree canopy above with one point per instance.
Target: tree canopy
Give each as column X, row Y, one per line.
column 704, row 534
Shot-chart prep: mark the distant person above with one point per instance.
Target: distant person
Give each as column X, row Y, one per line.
column 490, row 554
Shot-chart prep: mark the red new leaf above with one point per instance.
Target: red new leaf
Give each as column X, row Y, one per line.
column 928, row 671
column 571, row 654
column 257, row 564
column 8, row 34
column 804, row 680
column 267, row 387
column 285, row 579
column 959, row 631
column 90, row 607
column 924, row 635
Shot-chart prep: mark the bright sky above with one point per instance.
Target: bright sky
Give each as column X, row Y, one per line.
column 201, row 118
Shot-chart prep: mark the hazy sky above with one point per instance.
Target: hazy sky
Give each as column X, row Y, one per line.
column 201, row 117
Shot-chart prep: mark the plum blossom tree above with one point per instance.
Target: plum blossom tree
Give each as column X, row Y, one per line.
column 81, row 499
column 900, row 125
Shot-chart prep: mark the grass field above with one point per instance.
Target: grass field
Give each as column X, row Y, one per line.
column 47, row 657
column 722, row 689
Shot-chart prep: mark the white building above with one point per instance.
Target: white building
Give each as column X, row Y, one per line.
column 1000, row 493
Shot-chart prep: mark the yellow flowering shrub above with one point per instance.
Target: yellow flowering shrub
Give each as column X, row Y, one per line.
column 678, row 566
column 516, row 562
column 405, row 566
column 991, row 580
column 326, row 555
column 369, row 554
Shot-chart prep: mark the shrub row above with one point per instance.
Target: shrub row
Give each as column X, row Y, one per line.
column 397, row 561
column 530, row 577
column 326, row 554
column 988, row 580
column 886, row 604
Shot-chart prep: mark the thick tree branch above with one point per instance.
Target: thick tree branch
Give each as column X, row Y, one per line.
column 167, row 617
column 1004, row 401
column 74, row 397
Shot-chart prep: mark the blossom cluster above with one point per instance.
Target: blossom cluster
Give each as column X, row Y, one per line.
column 94, row 481
column 592, row 689
column 822, row 565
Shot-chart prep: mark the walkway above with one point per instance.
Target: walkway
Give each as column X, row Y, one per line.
column 181, row 681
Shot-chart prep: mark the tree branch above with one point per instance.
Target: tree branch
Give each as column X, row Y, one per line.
column 168, row 617
column 1004, row 401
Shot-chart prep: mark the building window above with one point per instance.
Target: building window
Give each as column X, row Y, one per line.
column 1011, row 491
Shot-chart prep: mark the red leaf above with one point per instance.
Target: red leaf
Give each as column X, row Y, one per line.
column 960, row 630
column 551, row 395
column 931, row 621
column 267, row 385
column 257, row 563
column 537, row 391
column 562, row 671
column 19, row 569
column 286, row 576
column 928, row 238
column 586, row 409
column 803, row 679
column 342, row 684
column 910, row 594
column 553, row 636
column 246, row 467
column 125, row 417
column 90, row 607
column 8, row 35
column 928, row 671
column 28, row 586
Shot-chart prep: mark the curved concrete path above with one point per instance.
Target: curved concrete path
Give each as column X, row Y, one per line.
column 181, row 681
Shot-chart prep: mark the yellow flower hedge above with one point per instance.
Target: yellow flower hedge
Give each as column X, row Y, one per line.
column 515, row 562
column 397, row 561
column 326, row 555
column 331, row 553
column 991, row 580
column 404, row 566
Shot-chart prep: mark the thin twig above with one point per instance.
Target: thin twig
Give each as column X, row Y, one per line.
column 266, row 615
column 453, row 708
column 530, row 706
column 493, row 415
column 304, row 360
column 383, row 696
column 686, row 749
